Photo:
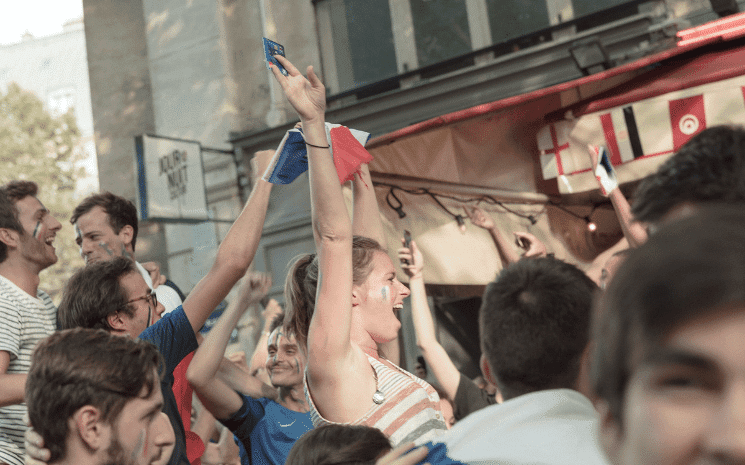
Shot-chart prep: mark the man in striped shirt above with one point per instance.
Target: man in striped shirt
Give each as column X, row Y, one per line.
column 27, row 315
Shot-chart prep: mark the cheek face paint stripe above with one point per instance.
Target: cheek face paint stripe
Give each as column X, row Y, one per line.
column 106, row 248
column 37, row 230
column 386, row 291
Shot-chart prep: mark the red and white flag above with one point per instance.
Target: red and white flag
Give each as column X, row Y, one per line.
column 687, row 118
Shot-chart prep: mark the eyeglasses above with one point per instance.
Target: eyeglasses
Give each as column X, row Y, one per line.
column 151, row 297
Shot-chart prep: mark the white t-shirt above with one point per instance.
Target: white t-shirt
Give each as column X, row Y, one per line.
column 556, row 426
column 24, row 321
column 166, row 294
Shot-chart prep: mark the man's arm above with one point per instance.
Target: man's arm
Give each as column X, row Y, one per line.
column 506, row 252
column 234, row 255
column 605, row 175
column 11, row 385
column 424, row 327
column 215, row 394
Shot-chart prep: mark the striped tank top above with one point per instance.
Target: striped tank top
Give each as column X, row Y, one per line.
column 409, row 411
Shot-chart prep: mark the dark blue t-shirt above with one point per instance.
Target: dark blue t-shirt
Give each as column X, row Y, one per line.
column 175, row 339
column 267, row 429
column 438, row 455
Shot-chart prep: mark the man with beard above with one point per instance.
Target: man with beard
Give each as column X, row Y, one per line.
column 27, row 314
column 95, row 400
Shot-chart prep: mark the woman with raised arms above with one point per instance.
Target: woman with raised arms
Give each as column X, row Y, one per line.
column 341, row 300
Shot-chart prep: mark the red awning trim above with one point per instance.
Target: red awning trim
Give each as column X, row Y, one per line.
column 726, row 28
column 722, row 30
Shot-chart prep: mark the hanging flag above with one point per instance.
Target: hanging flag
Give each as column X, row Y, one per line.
column 687, row 118
column 291, row 158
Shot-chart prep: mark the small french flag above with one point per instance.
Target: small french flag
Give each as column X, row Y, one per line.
column 347, row 147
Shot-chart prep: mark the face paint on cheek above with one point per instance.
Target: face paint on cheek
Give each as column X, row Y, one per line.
column 106, row 248
column 37, row 231
column 297, row 365
column 385, row 292
column 140, row 448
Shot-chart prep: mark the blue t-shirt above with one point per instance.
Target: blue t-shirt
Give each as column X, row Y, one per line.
column 175, row 339
column 267, row 429
column 438, row 455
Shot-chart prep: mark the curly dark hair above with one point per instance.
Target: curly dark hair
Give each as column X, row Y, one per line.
column 708, row 168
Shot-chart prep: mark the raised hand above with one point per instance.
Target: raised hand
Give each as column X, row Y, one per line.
column 479, row 218
column 605, row 174
column 253, row 288
column 307, row 96
column 414, row 256
column 532, row 245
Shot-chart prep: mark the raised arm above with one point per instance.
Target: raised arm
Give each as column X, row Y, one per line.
column 235, row 254
column 331, row 356
column 505, row 249
column 438, row 360
column 605, row 175
column 215, row 394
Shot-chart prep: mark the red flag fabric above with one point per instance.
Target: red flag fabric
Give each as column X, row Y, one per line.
column 687, row 118
column 348, row 153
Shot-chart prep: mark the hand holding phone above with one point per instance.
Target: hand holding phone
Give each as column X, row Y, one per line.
column 407, row 244
column 272, row 48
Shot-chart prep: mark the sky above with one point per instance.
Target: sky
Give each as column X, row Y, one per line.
column 40, row 17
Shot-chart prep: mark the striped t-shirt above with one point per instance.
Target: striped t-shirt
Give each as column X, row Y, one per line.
column 24, row 321
column 410, row 411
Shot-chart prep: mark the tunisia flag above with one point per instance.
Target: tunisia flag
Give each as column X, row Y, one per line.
column 688, row 118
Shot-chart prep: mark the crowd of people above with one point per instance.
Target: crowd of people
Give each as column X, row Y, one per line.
column 641, row 359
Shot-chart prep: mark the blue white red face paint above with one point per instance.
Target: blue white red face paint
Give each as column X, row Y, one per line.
column 37, row 231
column 385, row 292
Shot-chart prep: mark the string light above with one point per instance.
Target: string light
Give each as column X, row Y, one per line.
column 397, row 206
column 591, row 226
column 400, row 208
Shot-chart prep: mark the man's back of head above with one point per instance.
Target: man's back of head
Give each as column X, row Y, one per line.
column 708, row 168
column 534, row 324
column 84, row 377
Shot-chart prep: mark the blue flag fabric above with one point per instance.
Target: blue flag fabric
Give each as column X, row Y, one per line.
column 290, row 161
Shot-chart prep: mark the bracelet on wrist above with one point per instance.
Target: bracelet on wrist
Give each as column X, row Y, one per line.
column 318, row 146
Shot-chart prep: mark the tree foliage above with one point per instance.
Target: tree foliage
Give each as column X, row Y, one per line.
column 38, row 147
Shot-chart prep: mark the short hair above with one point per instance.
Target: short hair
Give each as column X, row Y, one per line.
column 708, row 168
column 302, row 280
column 535, row 323
column 74, row 368
column 95, row 292
column 11, row 193
column 277, row 322
column 120, row 211
column 689, row 268
column 336, row 444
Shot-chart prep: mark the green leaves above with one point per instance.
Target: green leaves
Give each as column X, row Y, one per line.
column 38, row 147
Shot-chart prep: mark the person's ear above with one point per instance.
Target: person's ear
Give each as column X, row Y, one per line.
column 9, row 237
column 88, row 423
column 356, row 295
column 117, row 322
column 126, row 234
column 611, row 435
column 486, row 371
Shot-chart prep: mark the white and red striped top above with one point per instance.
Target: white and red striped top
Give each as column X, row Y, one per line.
column 410, row 411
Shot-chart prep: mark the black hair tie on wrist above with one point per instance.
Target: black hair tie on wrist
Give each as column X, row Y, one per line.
column 318, row 146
